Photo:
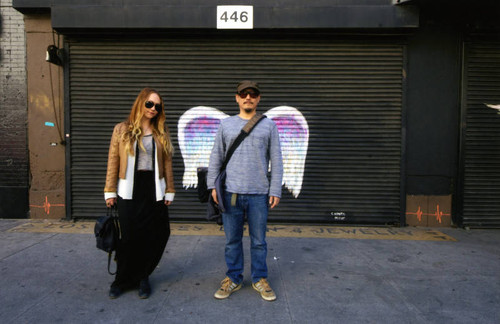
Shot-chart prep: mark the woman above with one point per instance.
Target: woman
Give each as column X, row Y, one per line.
column 140, row 180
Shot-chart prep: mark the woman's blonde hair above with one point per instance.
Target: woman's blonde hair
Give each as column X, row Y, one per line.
column 134, row 132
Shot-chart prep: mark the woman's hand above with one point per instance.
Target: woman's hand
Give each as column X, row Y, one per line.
column 168, row 202
column 110, row 202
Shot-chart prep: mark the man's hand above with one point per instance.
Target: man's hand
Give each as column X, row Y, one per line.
column 273, row 201
column 214, row 196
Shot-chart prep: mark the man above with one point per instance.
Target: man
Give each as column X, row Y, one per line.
column 249, row 191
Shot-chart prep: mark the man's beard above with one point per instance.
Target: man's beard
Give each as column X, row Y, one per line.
column 249, row 110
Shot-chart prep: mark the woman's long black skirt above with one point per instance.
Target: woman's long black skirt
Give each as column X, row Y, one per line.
column 145, row 229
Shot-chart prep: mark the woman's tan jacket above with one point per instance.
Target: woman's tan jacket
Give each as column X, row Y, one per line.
column 121, row 165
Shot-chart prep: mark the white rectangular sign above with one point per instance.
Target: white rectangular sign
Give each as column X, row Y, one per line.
column 234, row 17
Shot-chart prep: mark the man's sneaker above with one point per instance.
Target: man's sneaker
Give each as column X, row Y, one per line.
column 266, row 292
column 227, row 287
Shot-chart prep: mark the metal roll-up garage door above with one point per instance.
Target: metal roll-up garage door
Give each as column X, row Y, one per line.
column 481, row 135
column 348, row 90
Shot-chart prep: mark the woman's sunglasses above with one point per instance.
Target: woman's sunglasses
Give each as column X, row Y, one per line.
column 244, row 94
column 150, row 104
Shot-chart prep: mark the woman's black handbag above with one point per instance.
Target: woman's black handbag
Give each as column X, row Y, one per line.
column 107, row 233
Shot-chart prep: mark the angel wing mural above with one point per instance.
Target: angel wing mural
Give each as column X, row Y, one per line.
column 294, row 139
column 496, row 107
column 198, row 126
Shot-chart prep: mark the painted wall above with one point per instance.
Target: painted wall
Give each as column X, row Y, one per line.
column 45, row 122
column 433, row 110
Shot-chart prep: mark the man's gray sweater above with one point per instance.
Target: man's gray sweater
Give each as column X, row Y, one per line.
column 247, row 170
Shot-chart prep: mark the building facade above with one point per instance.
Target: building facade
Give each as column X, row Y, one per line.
column 14, row 172
column 381, row 105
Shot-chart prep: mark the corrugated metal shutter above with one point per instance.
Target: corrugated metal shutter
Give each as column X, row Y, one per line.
column 350, row 92
column 481, row 169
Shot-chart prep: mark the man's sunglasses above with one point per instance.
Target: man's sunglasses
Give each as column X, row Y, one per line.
column 150, row 104
column 244, row 94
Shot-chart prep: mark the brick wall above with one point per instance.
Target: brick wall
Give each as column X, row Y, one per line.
column 13, row 114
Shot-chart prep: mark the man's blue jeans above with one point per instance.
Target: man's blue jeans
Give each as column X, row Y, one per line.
column 256, row 209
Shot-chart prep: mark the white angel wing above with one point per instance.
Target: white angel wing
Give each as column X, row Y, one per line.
column 294, row 139
column 196, row 130
column 198, row 126
column 497, row 107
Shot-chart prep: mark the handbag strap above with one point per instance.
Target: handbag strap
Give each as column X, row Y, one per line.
column 109, row 263
column 249, row 126
column 113, row 212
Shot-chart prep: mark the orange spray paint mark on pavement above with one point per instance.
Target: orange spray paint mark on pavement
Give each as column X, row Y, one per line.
column 418, row 213
column 438, row 214
column 46, row 205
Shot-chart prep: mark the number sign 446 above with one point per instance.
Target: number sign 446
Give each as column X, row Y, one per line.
column 234, row 17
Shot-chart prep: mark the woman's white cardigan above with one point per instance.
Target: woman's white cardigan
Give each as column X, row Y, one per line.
column 126, row 186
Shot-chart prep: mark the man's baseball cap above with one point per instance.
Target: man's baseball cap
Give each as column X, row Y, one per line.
column 247, row 84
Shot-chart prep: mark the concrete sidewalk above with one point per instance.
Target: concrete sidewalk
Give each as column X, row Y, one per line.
column 49, row 277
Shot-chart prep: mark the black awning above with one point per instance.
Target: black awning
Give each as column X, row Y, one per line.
column 156, row 14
